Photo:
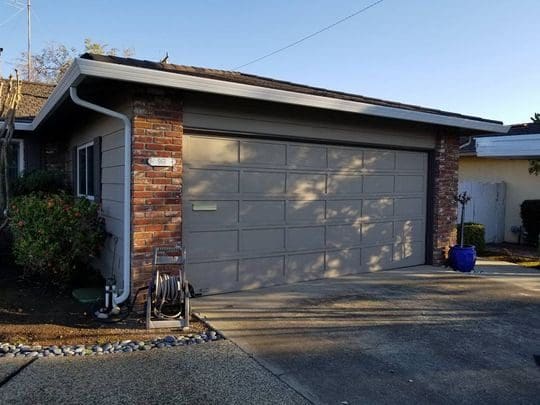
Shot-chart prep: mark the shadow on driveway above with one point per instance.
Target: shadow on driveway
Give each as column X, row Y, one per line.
column 420, row 334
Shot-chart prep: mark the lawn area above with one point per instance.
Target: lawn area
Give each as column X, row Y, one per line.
column 35, row 314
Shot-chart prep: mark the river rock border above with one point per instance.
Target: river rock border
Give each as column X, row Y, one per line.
column 8, row 350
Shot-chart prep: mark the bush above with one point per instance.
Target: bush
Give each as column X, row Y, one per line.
column 39, row 181
column 55, row 235
column 474, row 234
column 530, row 217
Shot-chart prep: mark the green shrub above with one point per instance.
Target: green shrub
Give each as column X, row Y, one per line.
column 530, row 217
column 55, row 236
column 39, row 181
column 474, row 234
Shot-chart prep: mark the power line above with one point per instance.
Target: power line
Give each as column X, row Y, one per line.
column 310, row 35
column 11, row 18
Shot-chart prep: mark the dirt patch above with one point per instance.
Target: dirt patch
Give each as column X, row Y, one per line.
column 526, row 256
column 40, row 315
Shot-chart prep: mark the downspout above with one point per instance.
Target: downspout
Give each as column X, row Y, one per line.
column 118, row 299
column 466, row 143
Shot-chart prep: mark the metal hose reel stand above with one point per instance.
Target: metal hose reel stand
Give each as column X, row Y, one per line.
column 168, row 295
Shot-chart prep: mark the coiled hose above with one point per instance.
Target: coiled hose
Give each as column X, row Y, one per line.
column 167, row 290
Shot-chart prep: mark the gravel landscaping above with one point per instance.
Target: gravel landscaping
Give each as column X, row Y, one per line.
column 8, row 350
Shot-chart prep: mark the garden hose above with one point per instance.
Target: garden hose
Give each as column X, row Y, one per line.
column 167, row 290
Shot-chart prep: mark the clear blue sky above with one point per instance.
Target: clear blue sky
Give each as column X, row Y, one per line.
column 478, row 57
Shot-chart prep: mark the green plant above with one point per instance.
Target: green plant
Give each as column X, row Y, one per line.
column 473, row 234
column 36, row 181
column 55, row 236
column 530, row 217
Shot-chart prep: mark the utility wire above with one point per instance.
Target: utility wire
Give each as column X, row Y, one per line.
column 310, row 35
column 11, row 18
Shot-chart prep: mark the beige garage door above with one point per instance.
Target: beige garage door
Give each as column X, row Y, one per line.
column 260, row 212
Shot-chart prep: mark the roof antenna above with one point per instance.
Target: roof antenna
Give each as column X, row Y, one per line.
column 165, row 59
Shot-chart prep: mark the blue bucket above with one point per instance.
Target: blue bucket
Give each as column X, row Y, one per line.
column 462, row 258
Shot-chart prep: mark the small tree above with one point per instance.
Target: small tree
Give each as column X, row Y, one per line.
column 462, row 199
column 10, row 95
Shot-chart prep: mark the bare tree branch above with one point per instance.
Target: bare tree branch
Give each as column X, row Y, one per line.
column 10, row 95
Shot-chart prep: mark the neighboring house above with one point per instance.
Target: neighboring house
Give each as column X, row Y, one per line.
column 504, row 158
column 26, row 151
column 264, row 181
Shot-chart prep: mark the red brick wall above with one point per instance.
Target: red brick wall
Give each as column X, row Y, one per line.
column 156, row 191
column 445, row 186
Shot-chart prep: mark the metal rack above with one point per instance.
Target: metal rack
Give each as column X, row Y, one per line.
column 168, row 295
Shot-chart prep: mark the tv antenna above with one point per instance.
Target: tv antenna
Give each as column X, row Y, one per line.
column 21, row 5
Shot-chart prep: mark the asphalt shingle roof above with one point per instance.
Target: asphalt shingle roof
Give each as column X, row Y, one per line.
column 254, row 80
column 33, row 96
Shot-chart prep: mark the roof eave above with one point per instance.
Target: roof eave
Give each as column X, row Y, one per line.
column 85, row 67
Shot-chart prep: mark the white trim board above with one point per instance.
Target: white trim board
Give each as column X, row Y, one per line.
column 85, row 67
column 512, row 146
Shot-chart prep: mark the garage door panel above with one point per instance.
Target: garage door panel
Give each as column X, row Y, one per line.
column 212, row 150
column 263, row 182
column 343, row 235
column 377, row 257
column 262, row 212
column 343, row 209
column 260, row 272
column 408, row 207
column 379, row 160
column 410, row 184
column 305, row 238
column 377, row 232
column 408, row 231
column 262, row 153
column 345, row 158
column 342, row 262
column 378, row 208
column 225, row 213
column 210, row 181
column 306, row 156
column 310, row 211
column 378, row 184
column 283, row 211
column 306, row 185
column 344, row 184
column 408, row 253
column 214, row 277
column 212, row 243
column 410, row 161
column 309, row 266
column 263, row 240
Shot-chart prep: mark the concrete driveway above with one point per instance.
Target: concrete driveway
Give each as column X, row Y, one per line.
column 209, row 373
column 417, row 335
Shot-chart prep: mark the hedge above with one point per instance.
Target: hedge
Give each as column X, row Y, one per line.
column 530, row 217
column 474, row 234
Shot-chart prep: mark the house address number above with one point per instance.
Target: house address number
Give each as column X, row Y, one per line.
column 161, row 161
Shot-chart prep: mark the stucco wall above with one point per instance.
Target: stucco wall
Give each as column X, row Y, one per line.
column 520, row 185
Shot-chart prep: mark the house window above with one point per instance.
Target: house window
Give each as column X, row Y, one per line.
column 15, row 158
column 85, row 170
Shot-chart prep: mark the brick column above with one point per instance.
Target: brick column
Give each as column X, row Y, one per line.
column 156, row 191
column 445, row 186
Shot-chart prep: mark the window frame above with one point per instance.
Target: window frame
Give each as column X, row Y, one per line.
column 21, row 163
column 89, row 165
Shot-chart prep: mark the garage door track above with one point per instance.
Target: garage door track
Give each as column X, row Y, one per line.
column 414, row 335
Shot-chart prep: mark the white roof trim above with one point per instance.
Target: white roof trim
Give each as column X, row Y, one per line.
column 515, row 146
column 86, row 67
